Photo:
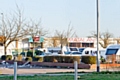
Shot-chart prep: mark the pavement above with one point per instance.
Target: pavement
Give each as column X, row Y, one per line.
column 26, row 71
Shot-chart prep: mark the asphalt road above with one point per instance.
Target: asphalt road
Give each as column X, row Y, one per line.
column 47, row 70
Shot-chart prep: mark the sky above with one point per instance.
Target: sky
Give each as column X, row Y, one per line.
column 58, row 14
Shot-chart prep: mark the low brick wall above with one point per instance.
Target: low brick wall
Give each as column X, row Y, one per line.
column 105, row 66
column 53, row 64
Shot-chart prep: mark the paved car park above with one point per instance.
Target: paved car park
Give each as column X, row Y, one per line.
column 48, row 70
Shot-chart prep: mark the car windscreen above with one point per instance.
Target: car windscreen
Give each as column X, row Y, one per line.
column 67, row 52
column 76, row 53
column 73, row 49
column 54, row 51
column 111, row 51
column 81, row 49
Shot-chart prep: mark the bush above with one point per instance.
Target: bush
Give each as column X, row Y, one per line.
column 38, row 58
column 64, row 59
column 88, row 59
column 3, row 57
column 19, row 57
column 6, row 57
column 9, row 57
column 22, row 53
column 28, row 59
column 29, row 54
column 38, row 52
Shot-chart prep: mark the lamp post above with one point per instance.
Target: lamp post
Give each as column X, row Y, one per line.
column 98, row 62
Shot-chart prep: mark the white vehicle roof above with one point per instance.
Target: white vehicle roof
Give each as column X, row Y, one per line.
column 114, row 46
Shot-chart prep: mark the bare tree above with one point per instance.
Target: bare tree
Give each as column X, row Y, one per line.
column 37, row 30
column 12, row 28
column 54, row 41
column 64, row 35
column 104, row 37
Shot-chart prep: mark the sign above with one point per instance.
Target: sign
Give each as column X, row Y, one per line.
column 87, row 40
column 36, row 39
column 41, row 39
column 30, row 39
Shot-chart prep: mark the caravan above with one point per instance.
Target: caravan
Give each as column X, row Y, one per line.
column 89, row 51
column 92, row 52
column 113, row 52
column 72, row 51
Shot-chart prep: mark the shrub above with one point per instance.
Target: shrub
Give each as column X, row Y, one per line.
column 29, row 54
column 88, row 59
column 22, row 53
column 38, row 58
column 64, row 59
column 3, row 57
column 19, row 57
column 38, row 52
column 28, row 59
column 6, row 57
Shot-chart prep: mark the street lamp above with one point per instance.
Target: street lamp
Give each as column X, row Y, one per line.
column 98, row 62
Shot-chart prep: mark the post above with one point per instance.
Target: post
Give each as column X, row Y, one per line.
column 98, row 63
column 15, row 70
column 75, row 67
column 33, row 47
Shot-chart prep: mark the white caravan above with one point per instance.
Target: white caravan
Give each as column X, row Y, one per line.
column 53, row 50
column 113, row 49
column 89, row 51
column 92, row 52
column 72, row 51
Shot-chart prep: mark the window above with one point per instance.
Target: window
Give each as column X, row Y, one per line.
column 81, row 49
column 111, row 51
column 76, row 53
column 73, row 49
column 86, row 52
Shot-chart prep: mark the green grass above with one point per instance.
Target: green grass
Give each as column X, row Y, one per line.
column 89, row 76
column 39, row 78
column 100, row 77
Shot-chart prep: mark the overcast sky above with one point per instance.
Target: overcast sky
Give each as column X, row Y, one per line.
column 57, row 14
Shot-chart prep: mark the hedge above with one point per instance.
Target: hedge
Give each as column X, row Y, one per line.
column 88, row 59
column 38, row 58
column 62, row 59
column 6, row 57
column 28, row 59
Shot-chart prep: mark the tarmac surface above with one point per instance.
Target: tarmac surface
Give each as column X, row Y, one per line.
column 26, row 71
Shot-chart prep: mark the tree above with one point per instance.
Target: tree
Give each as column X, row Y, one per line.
column 104, row 38
column 64, row 35
column 54, row 40
column 15, row 27
column 36, row 30
column 12, row 28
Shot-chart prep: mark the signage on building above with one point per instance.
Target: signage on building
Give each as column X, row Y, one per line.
column 86, row 40
column 36, row 39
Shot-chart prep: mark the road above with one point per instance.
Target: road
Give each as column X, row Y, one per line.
column 47, row 70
